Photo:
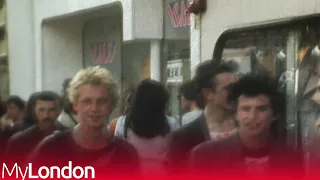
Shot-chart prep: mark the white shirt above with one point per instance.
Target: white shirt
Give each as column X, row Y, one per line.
column 152, row 152
column 191, row 116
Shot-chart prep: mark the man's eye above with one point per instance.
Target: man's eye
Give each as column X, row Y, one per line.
column 104, row 100
column 86, row 101
column 262, row 108
column 245, row 108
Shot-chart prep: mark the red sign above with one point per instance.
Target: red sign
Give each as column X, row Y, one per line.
column 103, row 53
column 178, row 15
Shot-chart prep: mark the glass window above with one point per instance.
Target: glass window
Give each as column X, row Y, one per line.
column 267, row 51
column 176, row 50
column 290, row 53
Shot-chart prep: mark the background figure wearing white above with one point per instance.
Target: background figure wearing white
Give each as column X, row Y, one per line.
column 147, row 127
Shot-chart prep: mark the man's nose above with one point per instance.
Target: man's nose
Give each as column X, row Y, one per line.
column 46, row 114
column 252, row 114
column 94, row 106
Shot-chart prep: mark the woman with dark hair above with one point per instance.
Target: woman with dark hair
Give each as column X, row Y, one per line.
column 147, row 127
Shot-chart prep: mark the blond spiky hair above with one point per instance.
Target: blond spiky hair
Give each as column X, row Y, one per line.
column 95, row 76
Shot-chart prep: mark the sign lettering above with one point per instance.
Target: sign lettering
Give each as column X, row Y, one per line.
column 178, row 15
column 103, row 53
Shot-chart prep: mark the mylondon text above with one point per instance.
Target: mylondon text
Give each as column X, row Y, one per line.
column 44, row 172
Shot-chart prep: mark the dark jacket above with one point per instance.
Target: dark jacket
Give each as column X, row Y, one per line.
column 227, row 157
column 22, row 143
column 183, row 140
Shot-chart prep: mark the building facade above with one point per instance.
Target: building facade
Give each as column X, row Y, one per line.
column 4, row 72
column 134, row 39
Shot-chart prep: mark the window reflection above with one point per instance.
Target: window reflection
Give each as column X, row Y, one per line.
column 290, row 54
column 265, row 52
column 309, row 96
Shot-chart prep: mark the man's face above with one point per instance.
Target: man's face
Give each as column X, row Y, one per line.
column 218, row 96
column 13, row 111
column 254, row 114
column 46, row 112
column 93, row 105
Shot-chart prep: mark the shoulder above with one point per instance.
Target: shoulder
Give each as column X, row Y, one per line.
column 124, row 149
column 122, row 145
column 56, row 139
column 187, row 129
column 220, row 146
column 174, row 124
column 22, row 135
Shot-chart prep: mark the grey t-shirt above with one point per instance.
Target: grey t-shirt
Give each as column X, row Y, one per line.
column 191, row 116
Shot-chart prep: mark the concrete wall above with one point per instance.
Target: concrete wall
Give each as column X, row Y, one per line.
column 221, row 14
column 135, row 62
column 21, row 47
column 46, row 9
column 104, row 30
column 32, row 54
column 62, row 51
column 142, row 19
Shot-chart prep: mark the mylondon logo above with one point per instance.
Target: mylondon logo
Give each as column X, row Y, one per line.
column 66, row 172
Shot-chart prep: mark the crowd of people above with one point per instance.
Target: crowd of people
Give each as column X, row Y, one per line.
column 231, row 126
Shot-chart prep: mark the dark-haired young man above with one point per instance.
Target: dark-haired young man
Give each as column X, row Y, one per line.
column 212, row 80
column 190, row 102
column 253, row 150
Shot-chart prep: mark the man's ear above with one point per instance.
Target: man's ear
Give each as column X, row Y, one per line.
column 74, row 106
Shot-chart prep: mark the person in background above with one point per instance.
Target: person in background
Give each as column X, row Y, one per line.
column 254, row 150
column 217, row 121
column 94, row 94
column 68, row 117
column 46, row 111
column 28, row 120
column 13, row 117
column 147, row 127
column 190, row 102
column 116, row 125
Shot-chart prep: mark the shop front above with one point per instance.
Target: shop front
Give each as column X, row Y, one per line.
column 176, row 50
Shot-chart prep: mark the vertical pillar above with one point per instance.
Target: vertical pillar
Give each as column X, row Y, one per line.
column 155, row 60
column 195, row 42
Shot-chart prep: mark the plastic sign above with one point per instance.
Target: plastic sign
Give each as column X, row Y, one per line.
column 178, row 14
column 103, row 53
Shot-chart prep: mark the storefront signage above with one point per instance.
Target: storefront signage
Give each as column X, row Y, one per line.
column 103, row 53
column 174, row 74
column 179, row 17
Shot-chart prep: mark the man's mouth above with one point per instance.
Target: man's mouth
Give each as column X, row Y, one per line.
column 47, row 120
column 253, row 125
column 95, row 117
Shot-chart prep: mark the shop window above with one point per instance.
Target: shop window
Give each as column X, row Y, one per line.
column 290, row 53
column 266, row 51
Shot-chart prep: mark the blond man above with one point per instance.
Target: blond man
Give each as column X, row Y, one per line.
column 93, row 94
